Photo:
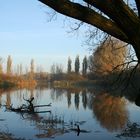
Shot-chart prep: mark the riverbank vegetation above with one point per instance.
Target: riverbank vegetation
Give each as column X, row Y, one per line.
column 11, row 79
column 110, row 64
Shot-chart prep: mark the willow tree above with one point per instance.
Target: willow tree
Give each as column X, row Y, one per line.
column 109, row 56
column 110, row 111
column 115, row 17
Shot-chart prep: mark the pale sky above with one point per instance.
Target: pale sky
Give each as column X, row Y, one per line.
column 25, row 33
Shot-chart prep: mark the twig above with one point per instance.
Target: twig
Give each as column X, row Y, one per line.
column 42, row 105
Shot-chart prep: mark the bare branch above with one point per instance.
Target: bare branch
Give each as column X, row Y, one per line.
column 132, row 73
column 113, row 8
column 126, row 63
column 78, row 25
column 87, row 15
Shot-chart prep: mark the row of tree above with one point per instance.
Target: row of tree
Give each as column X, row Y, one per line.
column 19, row 69
column 109, row 56
column 77, row 65
column 9, row 65
column 55, row 68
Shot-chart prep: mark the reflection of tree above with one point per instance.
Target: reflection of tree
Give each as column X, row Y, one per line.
column 52, row 93
column 76, row 100
column 57, row 94
column 19, row 95
column 73, row 90
column 53, row 125
column 49, row 126
column 8, row 99
column 31, row 93
column 110, row 111
column 84, row 98
column 0, row 99
column 69, row 99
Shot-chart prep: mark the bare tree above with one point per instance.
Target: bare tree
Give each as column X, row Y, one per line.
column 17, row 70
column 20, row 69
column 56, row 71
column 9, row 65
column 1, row 67
column 59, row 69
column 32, row 68
column 53, row 69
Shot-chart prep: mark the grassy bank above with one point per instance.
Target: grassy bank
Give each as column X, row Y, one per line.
column 80, row 84
column 10, row 81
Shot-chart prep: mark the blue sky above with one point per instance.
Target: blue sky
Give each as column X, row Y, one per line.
column 25, row 33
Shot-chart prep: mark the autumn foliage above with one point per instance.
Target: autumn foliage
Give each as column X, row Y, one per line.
column 108, row 57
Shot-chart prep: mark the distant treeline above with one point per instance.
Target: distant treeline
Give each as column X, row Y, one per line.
column 110, row 59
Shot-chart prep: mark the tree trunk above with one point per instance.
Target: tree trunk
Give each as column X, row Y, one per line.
column 136, row 46
column 119, row 19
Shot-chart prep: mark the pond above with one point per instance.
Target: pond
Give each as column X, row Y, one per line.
column 75, row 114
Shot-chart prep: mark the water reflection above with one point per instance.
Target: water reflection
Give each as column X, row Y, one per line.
column 8, row 99
column 53, row 125
column 110, row 111
column 84, row 99
column 69, row 99
column 71, row 108
column 76, row 100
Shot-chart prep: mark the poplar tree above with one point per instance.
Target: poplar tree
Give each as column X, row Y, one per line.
column 84, row 66
column 69, row 65
column 77, row 64
column 9, row 65
column 32, row 67
column 20, row 69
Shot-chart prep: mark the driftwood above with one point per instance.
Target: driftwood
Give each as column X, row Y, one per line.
column 42, row 105
column 28, row 108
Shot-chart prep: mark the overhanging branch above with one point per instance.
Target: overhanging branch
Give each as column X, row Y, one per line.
column 120, row 13
column 138, row 6
column 87, row 15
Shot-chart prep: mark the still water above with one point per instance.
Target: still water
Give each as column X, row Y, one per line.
column 99, row 116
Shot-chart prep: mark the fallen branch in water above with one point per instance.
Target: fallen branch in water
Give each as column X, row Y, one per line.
column 28, row 108
column 42, row 105
column 49, row 111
